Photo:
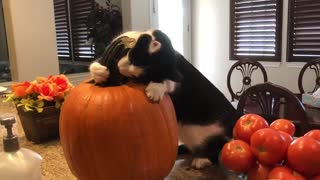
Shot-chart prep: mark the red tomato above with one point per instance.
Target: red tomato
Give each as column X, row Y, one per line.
column 316, row 177
column 234, row 134
column 284, row 173
column 304, row 156
column 287, row 137
column 258, row 172
column 268, row 146
column 315, row 134
column 283, row 125
column 247, row 125
column 237, row 156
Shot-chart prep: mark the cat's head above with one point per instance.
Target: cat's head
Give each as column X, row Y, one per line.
column 151, row 57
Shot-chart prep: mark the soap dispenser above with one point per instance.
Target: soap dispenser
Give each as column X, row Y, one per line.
column 17, row 163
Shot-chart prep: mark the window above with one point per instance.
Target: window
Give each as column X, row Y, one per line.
column 303, row 30
column 255, row 29
column 74, row 52
column 4, row 58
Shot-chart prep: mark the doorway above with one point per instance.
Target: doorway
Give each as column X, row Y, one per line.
column 174, row 19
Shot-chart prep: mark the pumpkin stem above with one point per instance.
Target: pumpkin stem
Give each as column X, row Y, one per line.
column 110, row 58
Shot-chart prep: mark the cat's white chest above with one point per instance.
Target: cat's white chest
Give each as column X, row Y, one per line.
column 194, row 135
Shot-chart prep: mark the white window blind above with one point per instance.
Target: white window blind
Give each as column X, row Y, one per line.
column 304, row 30
column 255, row 29
column 71, row 30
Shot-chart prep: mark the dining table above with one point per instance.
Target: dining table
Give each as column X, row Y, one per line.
column 312, row 113
column 313, row 116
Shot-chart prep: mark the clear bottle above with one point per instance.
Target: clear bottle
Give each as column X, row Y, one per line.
column 17, row 163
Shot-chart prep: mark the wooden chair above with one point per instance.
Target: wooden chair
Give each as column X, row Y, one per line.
column 312, row 65
column 246, row 68
column 273, row 102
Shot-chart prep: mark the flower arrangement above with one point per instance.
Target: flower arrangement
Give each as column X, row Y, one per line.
column 42, row 92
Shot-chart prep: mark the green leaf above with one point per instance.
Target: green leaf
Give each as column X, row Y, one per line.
column 39, row 109
column 40, row 103
column 9, row 97
column 58, row 104
column 26, row 101
column 27, row 108
column 19, row 105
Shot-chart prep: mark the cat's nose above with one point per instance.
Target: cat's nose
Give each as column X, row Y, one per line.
column 154, row 46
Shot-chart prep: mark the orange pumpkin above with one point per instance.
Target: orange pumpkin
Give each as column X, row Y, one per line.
column 116, row 133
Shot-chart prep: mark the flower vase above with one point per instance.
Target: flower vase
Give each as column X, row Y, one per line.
column 40, row 127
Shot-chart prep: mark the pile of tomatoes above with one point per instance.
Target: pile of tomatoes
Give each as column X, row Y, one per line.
column 264, row 151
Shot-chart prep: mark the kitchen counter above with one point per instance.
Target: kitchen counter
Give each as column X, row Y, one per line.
column 54, row 165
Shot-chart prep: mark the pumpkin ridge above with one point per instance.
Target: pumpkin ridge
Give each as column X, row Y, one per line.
column 117, row 133
column 162, row 123
column 86, row 123
column 83, row 116
column 137, row 127
column 172, row 126
column 127, row 145
column 167, row 126
column 73, row 96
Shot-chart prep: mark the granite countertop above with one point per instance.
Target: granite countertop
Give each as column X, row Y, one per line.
column 54, row 165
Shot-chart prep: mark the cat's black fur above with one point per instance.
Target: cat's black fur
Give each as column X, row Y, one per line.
column 110, row 58
column 196, row 100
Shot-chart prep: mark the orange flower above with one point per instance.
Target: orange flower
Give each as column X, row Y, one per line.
column 47, row 91
column 22, row 89
column 32, row 96
column 40, row 80
column 62, row 82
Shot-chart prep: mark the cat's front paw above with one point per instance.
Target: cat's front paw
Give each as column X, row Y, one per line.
column 200, row 163
column 98, row 72
column 155, row 91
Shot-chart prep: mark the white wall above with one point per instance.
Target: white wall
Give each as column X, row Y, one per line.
column 32, row 45
column 210, row 23
column 31, row 37
column 136, row 15
column 126, row 15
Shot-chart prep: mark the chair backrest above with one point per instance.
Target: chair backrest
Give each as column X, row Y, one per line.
column 274, row 102
column 246, row 68
column 311, row 65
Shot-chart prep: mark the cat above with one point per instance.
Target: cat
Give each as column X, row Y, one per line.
column 205, row 116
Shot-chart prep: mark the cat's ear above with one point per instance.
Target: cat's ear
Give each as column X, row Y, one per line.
column 154, row 46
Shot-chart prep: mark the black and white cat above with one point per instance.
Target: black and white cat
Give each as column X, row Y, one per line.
column 205, row 116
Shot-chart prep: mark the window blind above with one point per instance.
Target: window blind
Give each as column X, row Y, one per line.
column 255, row 29
column 5, row 74
column 80, row 10
column 71, row 30
column 62, row 29
column 304, row 30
